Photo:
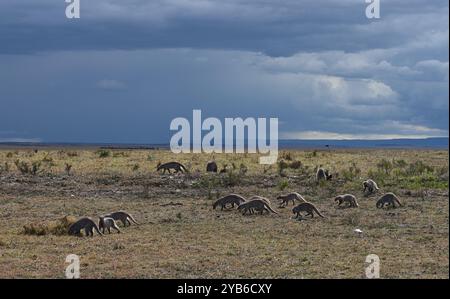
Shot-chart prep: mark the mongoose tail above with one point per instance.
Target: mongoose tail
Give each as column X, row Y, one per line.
column 317, row 211
column 123, row 216
column 97, row 230
column 270, row 209
column 132, row 219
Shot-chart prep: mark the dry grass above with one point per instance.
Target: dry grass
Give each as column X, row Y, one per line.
column 180, row 236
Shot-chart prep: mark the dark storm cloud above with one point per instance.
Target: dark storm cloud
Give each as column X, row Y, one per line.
column 272, row 27
column 127, row 67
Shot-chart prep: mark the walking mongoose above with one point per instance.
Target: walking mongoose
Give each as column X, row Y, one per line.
column 233, row 199
column 370, row 186
column 178, row 167
column 347, row 198
column 322, row 174
column 257, row 205
column 84, row 223
column 124, row 217
column 107, row 223
column 211, row 166
column 293, row 196
column 390, row 199
column 307, row 207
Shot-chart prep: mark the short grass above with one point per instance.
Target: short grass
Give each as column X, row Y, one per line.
column 180, row 236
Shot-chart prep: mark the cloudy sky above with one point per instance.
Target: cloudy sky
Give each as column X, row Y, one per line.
column 126, row 68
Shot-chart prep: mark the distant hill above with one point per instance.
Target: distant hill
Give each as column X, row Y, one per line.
column 431, row 143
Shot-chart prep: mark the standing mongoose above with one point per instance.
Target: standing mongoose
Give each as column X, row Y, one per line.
column 233, row 199
column 211, row 166
column 124, row 217
column 370, row 186
column 323, row 174
column 84, row 223
column 178, row 167
column 107, row 223
column 257, row 205
column 390, row 199
column 347, row 198
column 307, row 207
column 293, row 196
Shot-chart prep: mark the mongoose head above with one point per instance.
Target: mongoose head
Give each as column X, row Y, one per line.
column 337, row 198
column 159, row 164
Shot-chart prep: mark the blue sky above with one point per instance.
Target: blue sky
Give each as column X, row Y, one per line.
column 126, row 68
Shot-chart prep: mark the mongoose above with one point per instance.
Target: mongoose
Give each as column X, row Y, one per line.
column 107, row 222
column 84, row 223
column 307, row 207
column 390, row 199
column 255, row 204
column 211, row 166
column 322, row 174
column 285, row 199
column 171, row 165
column 261, row 198
column 124, row 217
column 348, row 198
column 233, row 199
column 370, row 186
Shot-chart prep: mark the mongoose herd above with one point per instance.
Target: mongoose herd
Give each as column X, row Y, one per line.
column 246, row 206
column 106, row 222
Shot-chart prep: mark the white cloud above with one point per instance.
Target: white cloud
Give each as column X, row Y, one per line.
column 18, row 139
column 399, row 130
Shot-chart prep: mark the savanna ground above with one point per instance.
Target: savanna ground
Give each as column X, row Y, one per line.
column 181, row 236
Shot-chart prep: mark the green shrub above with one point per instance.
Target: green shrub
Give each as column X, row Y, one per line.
column 283, row 184
column 286, row 156
column 26, row 168
column 53, row 227
column 385, row 166
column 351, row 173
column 67, row 168
column 72, row 154
column 418, row 168
column 400, row 163
column 295, row 164
column 103, row 153
column 4, row 168
column 282, row 165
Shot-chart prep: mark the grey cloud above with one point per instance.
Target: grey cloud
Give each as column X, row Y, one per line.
column 272, row 27
column 127, row 67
